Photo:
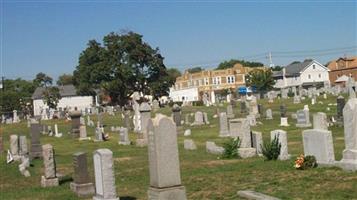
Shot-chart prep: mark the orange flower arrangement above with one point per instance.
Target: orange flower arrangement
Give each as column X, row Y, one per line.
column 299, row 161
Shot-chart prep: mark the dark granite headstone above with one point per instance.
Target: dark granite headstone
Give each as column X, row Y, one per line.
column 260, row 109
column 76, row 123
column 282, row 110
column 36, row 148
column 243, row 107
column 340, row 105
column 176, row 111
column 81, row 184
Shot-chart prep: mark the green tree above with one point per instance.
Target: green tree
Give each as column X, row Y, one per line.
column 232, row 62
column 261, row 79
column 51, row 97
column 65, row 79
column 195, row 69
column 173, row 73
column 277, row 68
column 122, row 65
column 42, row 80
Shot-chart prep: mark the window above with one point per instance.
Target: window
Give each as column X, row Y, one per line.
column 319, row 75
column 309, row 76
column 206, row 81
column 216, row 80
column 230, row 79
column 313, row 67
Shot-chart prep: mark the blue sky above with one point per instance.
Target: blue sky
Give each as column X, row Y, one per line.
column 48, row 36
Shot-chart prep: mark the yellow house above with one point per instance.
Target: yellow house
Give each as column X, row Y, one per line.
column 192, row 86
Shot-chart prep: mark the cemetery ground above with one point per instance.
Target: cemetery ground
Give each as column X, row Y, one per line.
column 204, row 175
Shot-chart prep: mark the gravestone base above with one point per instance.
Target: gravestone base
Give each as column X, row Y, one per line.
column 224, row 133
column 179, row 130
column 230, row 116
column 172, row 193
column 247, row 152
column 49, row 182
column 303, row 125
column 82, row 190
column 124, row 143
column 349, row 160
column 141, row 142
column 83, row 138
column 36, row 151
column 102, row 198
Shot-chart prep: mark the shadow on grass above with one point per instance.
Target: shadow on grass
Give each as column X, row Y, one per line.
column 65, row 179
column 127, row 198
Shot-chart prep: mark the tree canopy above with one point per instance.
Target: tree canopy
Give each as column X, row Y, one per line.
column 232, row 62
column 65, row 79
column 261, row 79
column 124, row 63
column 195, row 69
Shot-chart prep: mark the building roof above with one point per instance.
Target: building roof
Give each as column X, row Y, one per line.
column 349, row 62
column 343, row 78
column 65, row 91
column 296, row 67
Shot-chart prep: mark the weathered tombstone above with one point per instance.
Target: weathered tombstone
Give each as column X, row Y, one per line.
column 81, row 184
column 123, row 136
column 176, row 111
column 15, row 117
column 269, row 114
column 50, row 178
column 297, row 99
column 98, row 134
column 319, row 143
column 155, row 105
column 320, row 121
column 187, row 119
column 261, row 109
column 252, row 120
column 282, row 110
column 257, row 141
column 212, row 148
column 198, row 119
column 340, row 105
column 104, row 175
column 283, row 140
column 23, row 148
column 223, row 125
column 36, row 148
column 189, row 144
column 253, row 107
column 75, row 116
column 164, row 166
column 145, row 115
column 83, row 133
column 14, row 147
column 187, row 132
column 284, row 121
column 25, row 163
column 205, row 118
column 349, row 159
column 303, row 118
column 230, row 113
column 127, row 123
column 136, row 108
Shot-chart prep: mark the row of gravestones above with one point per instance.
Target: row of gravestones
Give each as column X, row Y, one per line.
column 164, row 167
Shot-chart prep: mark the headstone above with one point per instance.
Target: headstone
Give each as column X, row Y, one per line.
column 253, row 107
column 319, row 143
column 127, row 123
column 189, row 144
column 297, row 99
column 25, row 163
column 223, row 125
column 198, row 119
column 269, row 114
column 83, row 133
column 98, row 134
column 104, row 175
column 145, row 115
column 349, row 159
column 230, row 113
column 243, row 107
column 176, row 111
column 212, row 148
column 260, row 109
column 320, row 121
column 14, row 147
column 340, row 106
column 123, row 136
column 164, row 166
column 303, row 118
column 187, row 132
column 282, row 110
column 257, row 141
column 205, row 118
column 325, row 96
column 136, row 108
column 187, row 119
column 36, row 148
column 50, row 178
column 57, row 134
column 75, row 116
column 15, row 117
column 23, row 148
column 252, row 120
column 155, row 105
column 81, row 184
column 283, row 140
column 284, row 121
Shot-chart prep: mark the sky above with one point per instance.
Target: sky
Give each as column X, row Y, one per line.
column 48, row 36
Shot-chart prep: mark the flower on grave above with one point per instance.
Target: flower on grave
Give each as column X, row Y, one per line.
column 299, row 162
column 305, row 162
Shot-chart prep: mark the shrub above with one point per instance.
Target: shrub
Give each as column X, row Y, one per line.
column 231, row 148
column 197, row 103
column 271, row 150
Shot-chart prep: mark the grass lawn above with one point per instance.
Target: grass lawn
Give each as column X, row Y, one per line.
column 205, row 176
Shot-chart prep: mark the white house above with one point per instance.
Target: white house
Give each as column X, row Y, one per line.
column 188, row 94
column 69, row 99
column 306, row 73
